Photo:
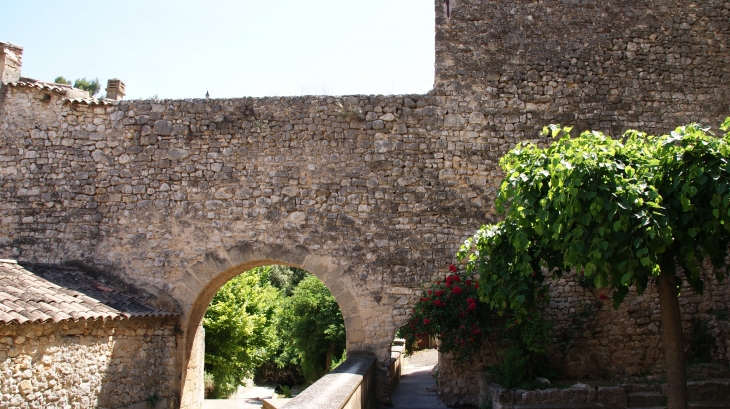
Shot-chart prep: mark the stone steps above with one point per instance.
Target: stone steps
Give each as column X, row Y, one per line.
column 709, row 405
column 645, row 400
column 560, row 406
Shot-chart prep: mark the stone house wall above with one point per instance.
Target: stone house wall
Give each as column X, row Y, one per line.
column 87, row 364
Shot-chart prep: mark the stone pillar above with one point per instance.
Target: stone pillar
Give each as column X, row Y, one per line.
column 115, row 89
column 11, row 59
column 193, row 385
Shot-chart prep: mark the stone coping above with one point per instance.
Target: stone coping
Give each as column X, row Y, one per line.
column 334, row 390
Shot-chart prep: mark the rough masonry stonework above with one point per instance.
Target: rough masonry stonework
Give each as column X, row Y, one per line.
column 372, row 194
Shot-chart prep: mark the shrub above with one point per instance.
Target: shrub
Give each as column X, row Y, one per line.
column 451, row 311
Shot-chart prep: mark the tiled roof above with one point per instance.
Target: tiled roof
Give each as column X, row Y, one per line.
column 54, row 294
column 40, row 85
column 89, row 101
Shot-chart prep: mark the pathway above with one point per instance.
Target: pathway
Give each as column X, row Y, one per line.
column 244, row 398
column 417, row 388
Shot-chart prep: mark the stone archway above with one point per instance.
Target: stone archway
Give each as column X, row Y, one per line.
column 198, row 284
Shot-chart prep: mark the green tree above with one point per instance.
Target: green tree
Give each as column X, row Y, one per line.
column 621, row 211
column 61, row 80
column 240, row 330
column 315, row 328
column 285, row 278
column 88, row 85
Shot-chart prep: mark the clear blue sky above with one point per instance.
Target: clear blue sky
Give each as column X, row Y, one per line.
column 231, row 48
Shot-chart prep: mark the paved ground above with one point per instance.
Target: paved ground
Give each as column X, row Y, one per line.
column 417, row 388
column 244, row 398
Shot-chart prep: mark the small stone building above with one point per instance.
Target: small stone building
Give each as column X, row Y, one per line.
column 70, row 340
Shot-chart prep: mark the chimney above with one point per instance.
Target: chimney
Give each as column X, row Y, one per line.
column 115, row 89
column 11, row 58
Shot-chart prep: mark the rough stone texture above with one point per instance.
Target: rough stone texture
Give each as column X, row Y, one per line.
column 194, row 387
column 618, row 343
column 373, row 196
column 11, row 59
column 712, row 393
column 87, row 364
column 599, row 65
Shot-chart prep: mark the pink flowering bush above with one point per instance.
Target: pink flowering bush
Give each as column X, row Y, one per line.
column 451, row 311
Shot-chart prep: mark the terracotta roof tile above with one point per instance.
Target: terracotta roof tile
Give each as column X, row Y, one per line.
column 89, row 101
column 39, row 85
column 42, row 293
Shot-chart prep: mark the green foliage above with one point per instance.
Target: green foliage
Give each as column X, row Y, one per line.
column 208, row 383
column 528, row 339
column 284, row 278
column 510, row 373
column 240, row 330
column 315, row 328
column 285, row 391
column 451, row 311
column 701, row 341
column 153, row 399
column 620, row 211
column 579, row 323
column 62, row 80
column 88, row 85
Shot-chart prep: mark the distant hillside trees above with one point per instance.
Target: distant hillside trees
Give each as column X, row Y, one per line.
column 92, row 86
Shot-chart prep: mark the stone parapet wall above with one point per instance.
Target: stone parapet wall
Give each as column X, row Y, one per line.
column 87, row 364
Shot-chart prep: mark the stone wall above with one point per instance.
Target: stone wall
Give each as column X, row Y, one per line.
column 193, row 391
column 373, row 194
column 599, row 65
column 11, row 59
column 87, row 364
column 616, row 344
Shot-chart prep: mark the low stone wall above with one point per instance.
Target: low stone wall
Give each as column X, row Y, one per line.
column 349, row 386
column 88, row 364
column 611, row 397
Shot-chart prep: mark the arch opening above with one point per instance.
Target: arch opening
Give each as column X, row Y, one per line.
column 202, row 280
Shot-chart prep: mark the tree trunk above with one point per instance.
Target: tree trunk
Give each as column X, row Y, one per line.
column 328, row 358
column 673, row 341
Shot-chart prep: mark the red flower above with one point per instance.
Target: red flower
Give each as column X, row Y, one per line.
column 476, row 285
column 439, row 293
column 477, row 331
column 473, row 306
column 470, row 300
column 426, row 321
column 452, row 268
column 603, row 297
column 430, row 292
column 456, row 290
column 468, row 283
column 462, row 314
column 424, row 299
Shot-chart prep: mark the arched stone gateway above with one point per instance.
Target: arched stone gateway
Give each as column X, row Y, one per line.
column 373, row 194
column 205, row 278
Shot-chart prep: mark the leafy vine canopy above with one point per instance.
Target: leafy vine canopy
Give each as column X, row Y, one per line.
column 619, row 210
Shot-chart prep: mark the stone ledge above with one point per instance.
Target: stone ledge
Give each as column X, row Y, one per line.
column 336, row 389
